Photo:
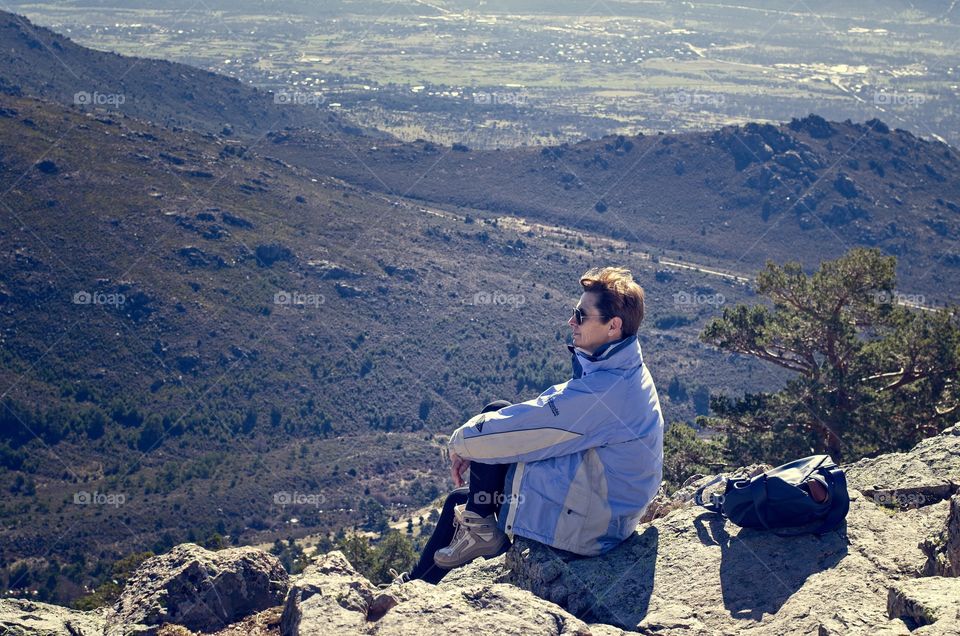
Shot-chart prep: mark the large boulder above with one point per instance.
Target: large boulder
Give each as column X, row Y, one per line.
column 269, row 254
column 198, row 589
column 690, row 571
column 330, row 597
column 943, row 549
column 928, row 473
column 889, row 570
column 933, row 601
column 27, row 618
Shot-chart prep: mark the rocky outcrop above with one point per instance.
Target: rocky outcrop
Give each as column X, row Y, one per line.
column 333, row 271
column 330, row 597
column 928, row 601
column 198, row 589
column 22, row 618
column 890, row 570
column 690, row 572
column 943, row 550
column 196, row 257
column 269, row 254
column 929, row 473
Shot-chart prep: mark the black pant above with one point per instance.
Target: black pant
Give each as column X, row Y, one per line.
column 483, row 497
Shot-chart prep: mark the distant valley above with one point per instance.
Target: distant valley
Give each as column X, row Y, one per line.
column 212, row 304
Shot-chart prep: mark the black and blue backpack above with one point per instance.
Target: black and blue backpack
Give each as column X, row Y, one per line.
column 781, row 498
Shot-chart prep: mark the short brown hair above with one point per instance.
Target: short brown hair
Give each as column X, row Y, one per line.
column 619, row 295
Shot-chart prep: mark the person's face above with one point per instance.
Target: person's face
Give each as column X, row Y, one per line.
column 595, row 330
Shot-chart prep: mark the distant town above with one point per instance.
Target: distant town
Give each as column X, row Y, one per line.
column 498, row 80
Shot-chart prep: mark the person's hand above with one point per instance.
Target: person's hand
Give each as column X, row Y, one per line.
column 457, row 467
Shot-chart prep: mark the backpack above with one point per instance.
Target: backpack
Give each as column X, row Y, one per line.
column 780, row 498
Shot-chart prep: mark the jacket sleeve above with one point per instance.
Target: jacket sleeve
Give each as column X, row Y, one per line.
column 566, row 418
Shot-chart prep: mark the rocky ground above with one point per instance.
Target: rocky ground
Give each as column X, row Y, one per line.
column 891, row 570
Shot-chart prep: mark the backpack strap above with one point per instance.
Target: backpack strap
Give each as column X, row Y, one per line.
column 715, row 504
column 759, row 491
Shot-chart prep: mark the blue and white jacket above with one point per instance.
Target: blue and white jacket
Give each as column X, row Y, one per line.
column 587, row 453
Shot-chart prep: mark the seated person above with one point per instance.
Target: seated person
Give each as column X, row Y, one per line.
column 574, row 468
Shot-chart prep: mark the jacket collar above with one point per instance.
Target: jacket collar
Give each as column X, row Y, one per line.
column 619, row 354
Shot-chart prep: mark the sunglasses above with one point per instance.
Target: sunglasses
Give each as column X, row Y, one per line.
column 579, row 316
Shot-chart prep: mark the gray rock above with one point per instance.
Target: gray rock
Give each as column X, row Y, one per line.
column 27, row 618
column 327, row 597
column 791, row 161
column 348, row 291
column 928, row 473
column 496, row 608
column 330, row 597
column 687, row 570
column 235, row 220
column 478, row 572
column 333, row 271
column 269, row 254
column 943, row 549
column 198, row 589
column 690, row 571
column 196, row 257
column 845, row 186
column 927, row 601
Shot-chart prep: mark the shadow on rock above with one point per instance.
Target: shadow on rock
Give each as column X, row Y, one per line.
column 759, row 570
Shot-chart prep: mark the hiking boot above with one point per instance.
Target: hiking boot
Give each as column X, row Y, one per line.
column 475, row 536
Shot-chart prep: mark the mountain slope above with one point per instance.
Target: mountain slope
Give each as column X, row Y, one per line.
column 37, row 61
column 192, row 327
column 807, row 190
